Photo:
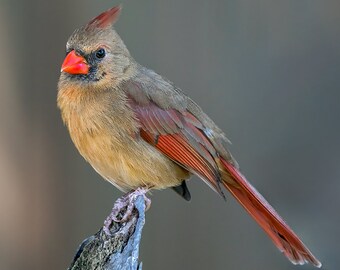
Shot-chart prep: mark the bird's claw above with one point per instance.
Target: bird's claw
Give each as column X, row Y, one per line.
column 123, row 208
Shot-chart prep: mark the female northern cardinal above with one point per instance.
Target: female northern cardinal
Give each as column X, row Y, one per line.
column 140, row 132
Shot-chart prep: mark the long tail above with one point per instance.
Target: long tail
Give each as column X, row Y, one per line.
column 264, row 214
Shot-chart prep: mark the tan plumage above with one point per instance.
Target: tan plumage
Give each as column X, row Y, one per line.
column 139, row 130
column 99, row 131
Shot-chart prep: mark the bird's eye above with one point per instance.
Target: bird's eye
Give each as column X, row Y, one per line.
column 100, row 53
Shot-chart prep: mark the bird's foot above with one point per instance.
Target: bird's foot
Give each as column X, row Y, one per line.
column 123, row 208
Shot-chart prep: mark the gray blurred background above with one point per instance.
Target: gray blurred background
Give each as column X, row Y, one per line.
column 268, row 73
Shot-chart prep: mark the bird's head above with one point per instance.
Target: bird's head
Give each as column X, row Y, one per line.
column 95, row 54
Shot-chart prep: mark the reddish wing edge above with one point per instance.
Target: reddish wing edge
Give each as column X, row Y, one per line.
column 177, row 148
column 269, row 220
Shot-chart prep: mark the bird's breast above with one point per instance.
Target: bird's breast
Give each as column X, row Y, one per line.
column 109, row 142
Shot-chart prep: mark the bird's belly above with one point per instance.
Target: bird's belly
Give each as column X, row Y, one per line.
column 130, row 163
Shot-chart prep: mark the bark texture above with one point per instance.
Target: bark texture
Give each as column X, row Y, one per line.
column 119, row 251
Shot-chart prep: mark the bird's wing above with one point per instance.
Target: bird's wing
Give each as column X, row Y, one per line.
column 167, row 123
column 175, row 125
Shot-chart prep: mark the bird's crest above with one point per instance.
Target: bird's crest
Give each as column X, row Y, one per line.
column 105, row 19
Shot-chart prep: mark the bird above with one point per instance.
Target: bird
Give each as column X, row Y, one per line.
column 141, row 132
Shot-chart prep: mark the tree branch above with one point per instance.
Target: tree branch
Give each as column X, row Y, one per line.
column 119, row 251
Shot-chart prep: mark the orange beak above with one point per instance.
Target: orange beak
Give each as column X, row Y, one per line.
column 75, row 64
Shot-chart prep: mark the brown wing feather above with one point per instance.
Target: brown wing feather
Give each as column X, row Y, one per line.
column 170, row 132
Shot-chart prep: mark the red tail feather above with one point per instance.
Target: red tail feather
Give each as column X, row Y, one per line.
column 264, row 214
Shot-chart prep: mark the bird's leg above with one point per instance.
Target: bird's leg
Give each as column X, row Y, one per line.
column 123, row 208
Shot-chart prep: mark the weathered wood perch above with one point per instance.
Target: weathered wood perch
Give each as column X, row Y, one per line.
column 119, row 251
